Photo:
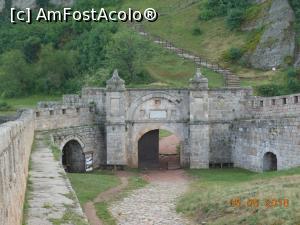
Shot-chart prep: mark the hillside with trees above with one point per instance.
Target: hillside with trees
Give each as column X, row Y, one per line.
column 56, row 58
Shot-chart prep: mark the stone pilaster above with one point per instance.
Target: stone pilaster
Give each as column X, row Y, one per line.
column 199, row 127
column 115, row 120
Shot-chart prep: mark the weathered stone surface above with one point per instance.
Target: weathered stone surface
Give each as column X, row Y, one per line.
column 16, row 140
column 2, row 5
column 22, row 4
column 277, row 43
column 154, row 204
column 297, row 61
column 252, row 139
column 224, row 125
column 51, row 194
column 62, row 2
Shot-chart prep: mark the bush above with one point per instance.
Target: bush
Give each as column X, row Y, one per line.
column 289, row 60
column 293, row 85
column 233, row 54
column 31, row 49
column 268, row 90
column 4, row 106
column 197, row 31
column 291, row 73
column 235, row 18
column 206, row 14
column 214, row 8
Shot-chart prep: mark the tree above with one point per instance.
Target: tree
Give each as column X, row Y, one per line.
column 91, row 47
column 16, row 77
column 42, row 3
column 235, row 18
column 128, row 53
column 32, row 47
column 54, row 69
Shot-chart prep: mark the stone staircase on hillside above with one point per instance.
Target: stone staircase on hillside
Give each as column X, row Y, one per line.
column 231, row 80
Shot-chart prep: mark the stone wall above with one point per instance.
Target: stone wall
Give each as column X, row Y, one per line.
column 91, row 137
column 74, row 119
column 251, row 139
column 16, row 142
column 57, row 117
column 280, row 106
column 220, row 143
column 228, row 104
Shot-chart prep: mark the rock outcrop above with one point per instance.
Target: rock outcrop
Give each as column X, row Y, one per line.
column 277, row 43
column 62, row 2
column 2, row 5
column 21, row 4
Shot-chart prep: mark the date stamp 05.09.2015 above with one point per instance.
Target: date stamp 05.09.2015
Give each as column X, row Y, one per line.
column 256, row 203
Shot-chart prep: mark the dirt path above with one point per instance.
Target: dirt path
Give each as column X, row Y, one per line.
column 168, row 145
column 89, row 207
column 155, row 203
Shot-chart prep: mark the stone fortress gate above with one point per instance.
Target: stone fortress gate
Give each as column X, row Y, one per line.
column 118, row 126
column 224, row 126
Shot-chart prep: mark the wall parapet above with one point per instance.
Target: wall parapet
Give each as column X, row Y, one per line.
column 278, row 106
column 16, row 142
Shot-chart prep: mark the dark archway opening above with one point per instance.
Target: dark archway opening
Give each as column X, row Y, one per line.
column 159, row 149
column 269, row 162
column 73, row 158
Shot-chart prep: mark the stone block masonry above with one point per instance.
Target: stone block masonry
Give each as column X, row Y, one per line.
column 252, row 139
column 16, row 142
column 221, row 126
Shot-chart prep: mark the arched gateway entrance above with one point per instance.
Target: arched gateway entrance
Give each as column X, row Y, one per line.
column 269, row 162
column 73, row 158
column 134, row 115
column 159, row 149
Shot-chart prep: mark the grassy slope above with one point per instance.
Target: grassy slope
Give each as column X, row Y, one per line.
column 210, row 195
column 89, row 186
column 215, row 39
column 25, row 102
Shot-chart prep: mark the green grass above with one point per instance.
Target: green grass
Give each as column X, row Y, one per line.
column 211, row 193
column 69, row 217
column 56, row 152
column 104, row 214
column 169, row 69
column 134, row 182
column 89, row 185
column 164, row 133
column 25, row 102
column 211, row 44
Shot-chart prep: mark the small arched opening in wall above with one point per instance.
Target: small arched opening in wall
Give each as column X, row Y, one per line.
column 159, row 148
column 73, row 158
column 269, row 162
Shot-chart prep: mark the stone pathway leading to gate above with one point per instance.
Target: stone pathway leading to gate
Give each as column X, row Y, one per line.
column 51, row 197
column 154, row 204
